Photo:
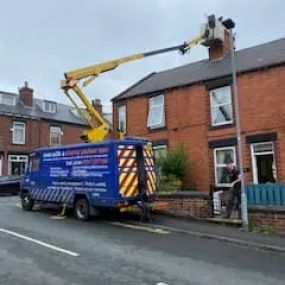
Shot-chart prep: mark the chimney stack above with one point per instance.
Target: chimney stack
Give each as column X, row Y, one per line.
column 26, row 94
column 220, row 49
column 218, row 36
column 98, row 106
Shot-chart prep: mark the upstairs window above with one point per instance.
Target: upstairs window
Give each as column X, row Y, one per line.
column 55, row 136
column 8, row 99
column 19, row 129
column 122, row 118
column 49, row 107
column 221, row 106
column 156, row 116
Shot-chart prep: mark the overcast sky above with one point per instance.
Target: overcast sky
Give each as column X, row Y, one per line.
column 40, row 40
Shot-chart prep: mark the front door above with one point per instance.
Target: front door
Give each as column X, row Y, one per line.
column 263, row 161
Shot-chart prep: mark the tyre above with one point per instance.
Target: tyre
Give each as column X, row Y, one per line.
column 27, row 202
column 82, row 210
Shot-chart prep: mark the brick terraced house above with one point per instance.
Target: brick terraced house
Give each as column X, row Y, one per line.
column 27, row 123
column 193, row 105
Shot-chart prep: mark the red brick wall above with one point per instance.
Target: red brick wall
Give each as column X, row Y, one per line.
column 37, row 135
column 265, row 217
column 221, row 48
column 71, row 133
column 262, row 105
column 261, row 218
column 187, row 112
column 183, row 206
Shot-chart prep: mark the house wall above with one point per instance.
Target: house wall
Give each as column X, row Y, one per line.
column 37, row 134
column 187, row 111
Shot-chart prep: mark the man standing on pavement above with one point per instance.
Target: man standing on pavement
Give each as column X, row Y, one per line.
column 235, row 188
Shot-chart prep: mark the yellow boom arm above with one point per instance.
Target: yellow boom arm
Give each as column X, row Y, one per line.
column 98, row 127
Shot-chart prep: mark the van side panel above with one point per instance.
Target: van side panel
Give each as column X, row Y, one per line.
column 66, row 172
column 109, row 174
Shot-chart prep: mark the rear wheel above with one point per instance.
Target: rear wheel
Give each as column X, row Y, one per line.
column 82, row 210
column 27, row 202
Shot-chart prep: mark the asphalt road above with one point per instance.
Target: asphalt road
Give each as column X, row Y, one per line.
column 35, row 249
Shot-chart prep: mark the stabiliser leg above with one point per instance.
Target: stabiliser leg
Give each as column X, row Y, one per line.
column 145, row 211
column 62, row 214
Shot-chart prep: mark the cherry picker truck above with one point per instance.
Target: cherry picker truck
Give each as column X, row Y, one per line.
column 102, row 173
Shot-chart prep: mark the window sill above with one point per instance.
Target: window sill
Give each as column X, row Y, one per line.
column 224, row 126
column 158, row 129
column 13, row 143
column 223, row 185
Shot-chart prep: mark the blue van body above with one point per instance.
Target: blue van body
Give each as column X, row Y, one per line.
column 113, row 173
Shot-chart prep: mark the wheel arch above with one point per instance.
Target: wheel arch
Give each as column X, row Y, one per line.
column 24, row 190
column 81, row 196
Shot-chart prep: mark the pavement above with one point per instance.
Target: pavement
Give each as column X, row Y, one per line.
column 224, row 233
column 35, row 249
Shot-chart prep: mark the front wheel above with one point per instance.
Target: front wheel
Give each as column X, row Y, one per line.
column 82, row 210
column 27, row 202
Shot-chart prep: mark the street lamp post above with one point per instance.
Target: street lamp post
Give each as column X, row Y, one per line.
column 244, row 215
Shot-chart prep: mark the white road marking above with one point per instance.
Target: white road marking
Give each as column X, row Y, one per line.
column 161, row 283
column 142, row 228
column 50, row 246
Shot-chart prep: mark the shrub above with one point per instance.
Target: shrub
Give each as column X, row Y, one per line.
column 172, row 169
column 174, row 163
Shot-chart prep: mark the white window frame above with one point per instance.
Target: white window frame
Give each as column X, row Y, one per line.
column 156, row 147
column 212, row 106
column 15, row 126
column 150, row 107
column 253, row 160
column 223, row 165
column 1, row 157
column 8, row 95
column 48, row 107
column 16, row 158
column 122, row 116
column 55, row 129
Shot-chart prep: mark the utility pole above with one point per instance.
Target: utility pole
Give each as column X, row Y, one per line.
column 229, row 24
